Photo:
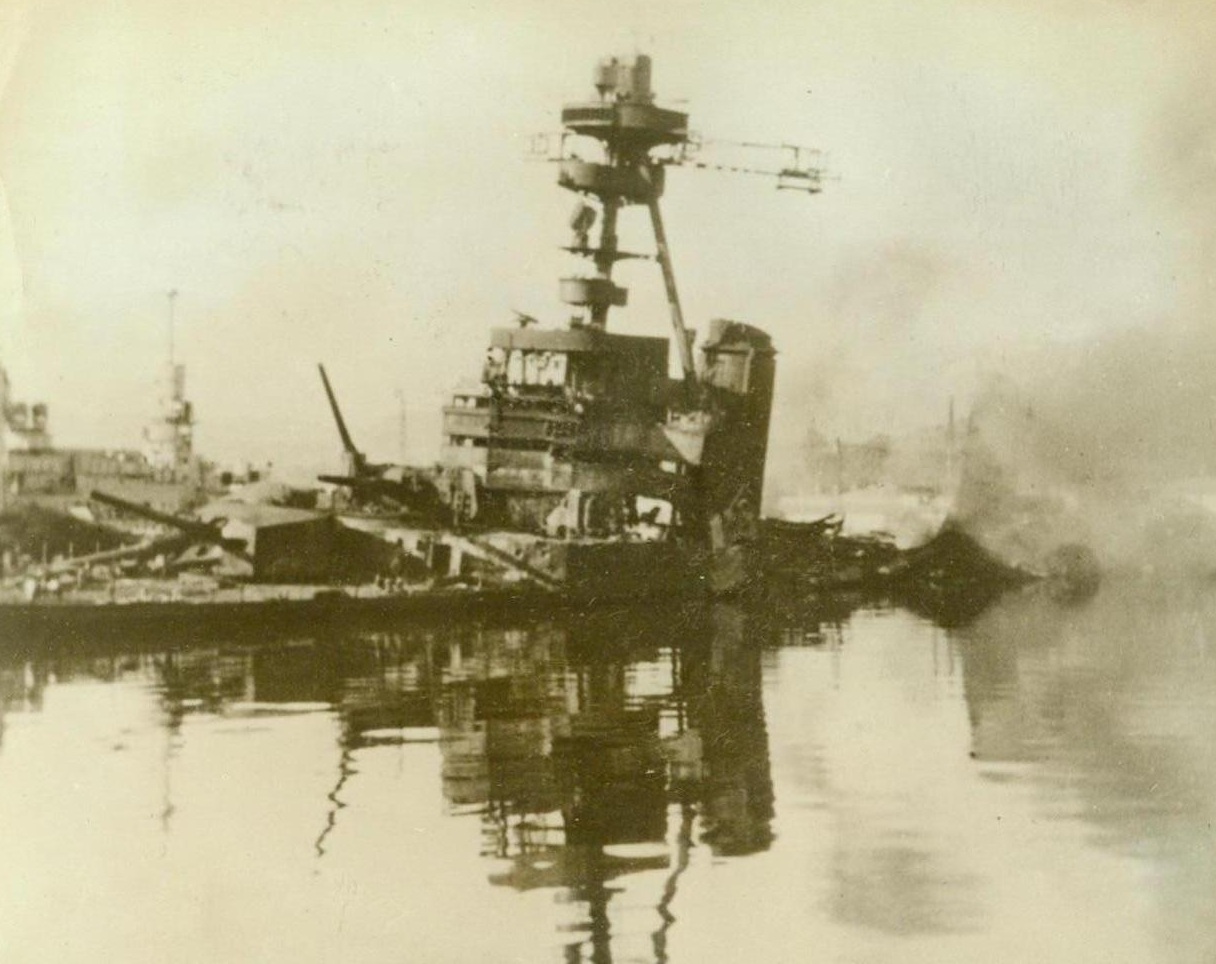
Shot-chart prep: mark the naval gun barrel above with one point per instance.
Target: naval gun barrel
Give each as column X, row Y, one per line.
column 202, row 531
column 357, row 462
column 145, row 512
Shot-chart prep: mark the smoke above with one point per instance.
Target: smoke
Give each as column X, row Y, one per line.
column 1096, row 419
column 877, row 353
column 1112, row 441
column 1115, row 452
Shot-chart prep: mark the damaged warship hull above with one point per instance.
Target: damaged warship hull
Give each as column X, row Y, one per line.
column 576, row 461
column 576, row 472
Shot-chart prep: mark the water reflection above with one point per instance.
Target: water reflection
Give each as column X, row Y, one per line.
column 588, row 749
column 1105, row 713
column 713, row 784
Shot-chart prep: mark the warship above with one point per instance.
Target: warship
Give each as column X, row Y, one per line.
column 165, row 472
column 577, row 469
column 576, row 472
column 45, row 509
column 576, row 460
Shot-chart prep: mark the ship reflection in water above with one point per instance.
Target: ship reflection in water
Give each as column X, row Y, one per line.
column 831, row 784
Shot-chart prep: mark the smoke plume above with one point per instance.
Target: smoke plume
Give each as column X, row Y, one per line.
column 1112, row 440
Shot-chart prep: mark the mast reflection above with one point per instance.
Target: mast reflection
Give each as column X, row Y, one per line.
column 585, row 747
column 591, row 749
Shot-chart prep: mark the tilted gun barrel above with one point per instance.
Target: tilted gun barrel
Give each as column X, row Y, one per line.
column 201, row 531
column 356, row 460
column 425, row 492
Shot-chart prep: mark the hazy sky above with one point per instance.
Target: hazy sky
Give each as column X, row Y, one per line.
column 347, row 183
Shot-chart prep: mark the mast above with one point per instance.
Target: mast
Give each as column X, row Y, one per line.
column 637, row 141
column 172, row 303
column 402, row 427
column 169, row 439
column 683, row 340
column 629, row 129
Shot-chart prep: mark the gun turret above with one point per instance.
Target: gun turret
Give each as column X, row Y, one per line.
column 421, row 491
column 208, row 532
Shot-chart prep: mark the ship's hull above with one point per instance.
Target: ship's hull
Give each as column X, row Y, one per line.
column 261, row 610
column 606, row 567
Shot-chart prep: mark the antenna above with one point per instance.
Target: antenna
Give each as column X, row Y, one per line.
column 172, row 294
column 401, row 425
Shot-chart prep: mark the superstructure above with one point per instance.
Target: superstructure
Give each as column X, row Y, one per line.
column 576, row 449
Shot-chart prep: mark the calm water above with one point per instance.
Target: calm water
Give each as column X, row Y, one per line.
column 1036, row 786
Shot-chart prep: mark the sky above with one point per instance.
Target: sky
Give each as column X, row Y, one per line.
column 1015, row 190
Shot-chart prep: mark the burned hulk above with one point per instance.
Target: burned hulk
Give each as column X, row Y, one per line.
column 576, row 454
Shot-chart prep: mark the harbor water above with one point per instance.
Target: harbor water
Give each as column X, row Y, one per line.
column 831, row 782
